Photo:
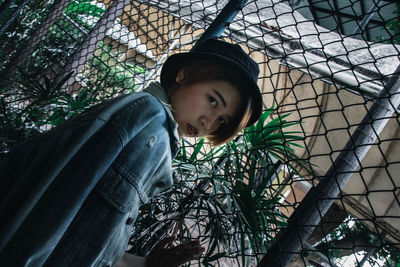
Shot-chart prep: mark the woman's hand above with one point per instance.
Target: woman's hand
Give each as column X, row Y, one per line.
column 163, row 256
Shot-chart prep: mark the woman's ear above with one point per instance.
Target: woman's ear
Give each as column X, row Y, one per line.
column 180, row 76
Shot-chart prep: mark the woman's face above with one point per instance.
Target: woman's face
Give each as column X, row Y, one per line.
column 201, row 108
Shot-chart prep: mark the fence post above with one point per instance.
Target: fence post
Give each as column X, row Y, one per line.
column 92, row 40
column 223, row 19
column 314, row 206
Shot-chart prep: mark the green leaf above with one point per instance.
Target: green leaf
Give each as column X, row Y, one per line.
column 197, row 149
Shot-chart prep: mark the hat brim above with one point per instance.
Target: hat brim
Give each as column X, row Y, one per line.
column 175, row 62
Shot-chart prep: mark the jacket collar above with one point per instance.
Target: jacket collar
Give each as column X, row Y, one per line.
column 156, row 90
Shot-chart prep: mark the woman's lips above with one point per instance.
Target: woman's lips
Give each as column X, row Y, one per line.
column 191, row 130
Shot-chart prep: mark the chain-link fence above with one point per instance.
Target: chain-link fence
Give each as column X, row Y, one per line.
column 313, row 183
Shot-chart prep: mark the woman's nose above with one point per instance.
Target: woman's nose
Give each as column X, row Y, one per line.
column 204, row 122
column 208, row 121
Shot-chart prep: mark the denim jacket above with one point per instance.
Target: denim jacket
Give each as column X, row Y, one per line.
column 69, row 197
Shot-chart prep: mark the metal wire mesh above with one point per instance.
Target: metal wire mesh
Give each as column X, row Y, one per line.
column 279, row 191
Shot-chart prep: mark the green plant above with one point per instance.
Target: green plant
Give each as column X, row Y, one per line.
column 32, row 101
column 41, row 105
column 81, row 11
column 220, row 195
column 393, row 28
column 61, row 39
column 20, row 29
column 353, row 236
column 268, row 137
column 40, row 88
column 115, row 76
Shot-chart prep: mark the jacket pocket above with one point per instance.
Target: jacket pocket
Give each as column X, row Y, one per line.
column 121, row 193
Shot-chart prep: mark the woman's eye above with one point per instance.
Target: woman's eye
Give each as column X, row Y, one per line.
column 221, row 120
column 213, row 102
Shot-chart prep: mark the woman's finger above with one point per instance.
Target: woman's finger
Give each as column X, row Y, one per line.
column 186, row 255
column 164, row 242
column 189, row 245
column 191, row 248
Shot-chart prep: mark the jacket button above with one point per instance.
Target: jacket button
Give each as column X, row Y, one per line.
column 129, row 220
column 152, row 141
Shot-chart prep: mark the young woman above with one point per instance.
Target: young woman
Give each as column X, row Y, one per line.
column 69, row 197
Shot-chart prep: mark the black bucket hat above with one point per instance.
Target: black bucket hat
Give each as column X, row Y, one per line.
column 230, row 54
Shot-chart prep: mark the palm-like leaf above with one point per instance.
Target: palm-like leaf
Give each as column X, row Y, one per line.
column 275, row 141
column 221, row 193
